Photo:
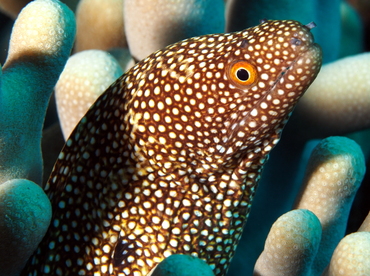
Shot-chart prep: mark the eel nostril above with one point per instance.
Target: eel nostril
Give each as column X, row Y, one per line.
column 310, row 25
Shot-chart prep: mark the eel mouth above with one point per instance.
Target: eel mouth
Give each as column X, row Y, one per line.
column 311, row 55
column 300, row 73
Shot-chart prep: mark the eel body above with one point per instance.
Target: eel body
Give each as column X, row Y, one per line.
column 167, row 160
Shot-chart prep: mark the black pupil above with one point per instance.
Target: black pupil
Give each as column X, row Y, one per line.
column 242, row 74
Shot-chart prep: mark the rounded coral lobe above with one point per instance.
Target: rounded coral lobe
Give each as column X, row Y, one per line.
column 168, row 158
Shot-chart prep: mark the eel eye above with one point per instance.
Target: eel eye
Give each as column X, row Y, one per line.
column 243, row 73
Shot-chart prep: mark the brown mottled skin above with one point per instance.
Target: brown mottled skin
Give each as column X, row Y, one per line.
column 168, row 158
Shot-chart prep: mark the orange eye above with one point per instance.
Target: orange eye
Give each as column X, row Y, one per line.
column 243, row 73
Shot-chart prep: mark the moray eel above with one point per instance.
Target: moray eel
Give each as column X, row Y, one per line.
column 167, row 160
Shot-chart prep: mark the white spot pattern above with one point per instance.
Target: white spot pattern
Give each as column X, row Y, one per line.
column 168, row 158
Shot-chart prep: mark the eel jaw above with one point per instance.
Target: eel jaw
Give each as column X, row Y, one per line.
column 293, row 82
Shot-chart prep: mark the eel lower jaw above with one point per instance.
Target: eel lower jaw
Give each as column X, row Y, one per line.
column 301, row 70
column 312, row 53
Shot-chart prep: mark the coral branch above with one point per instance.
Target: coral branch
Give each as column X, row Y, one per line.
column 100, row 25
column 85, row 77
column 338, row 101
column 181, row 265
column 153, row 24
column 352, row 256
column 41, row 42
column 291, row 245
column 25, row 214
column 333, row 175
column 365, row 226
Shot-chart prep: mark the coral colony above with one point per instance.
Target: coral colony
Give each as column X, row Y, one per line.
column 158, row 177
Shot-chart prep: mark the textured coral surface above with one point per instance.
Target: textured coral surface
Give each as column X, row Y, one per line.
column 336, row 104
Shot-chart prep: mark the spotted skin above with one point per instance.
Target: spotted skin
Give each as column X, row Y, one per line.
column 167, row 159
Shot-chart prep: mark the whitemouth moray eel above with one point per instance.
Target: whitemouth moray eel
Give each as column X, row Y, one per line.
column 167, row 160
